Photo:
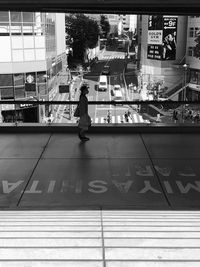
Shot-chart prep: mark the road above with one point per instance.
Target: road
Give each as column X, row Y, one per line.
column 99, row 113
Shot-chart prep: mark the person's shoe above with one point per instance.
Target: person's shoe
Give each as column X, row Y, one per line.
column 80, row 137
column 85, row 138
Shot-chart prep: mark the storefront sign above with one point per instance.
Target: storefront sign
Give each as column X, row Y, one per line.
column 25, row 105
column 7, row 107
column 162, row 32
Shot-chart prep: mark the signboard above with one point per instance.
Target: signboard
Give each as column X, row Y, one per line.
column 169, row 37
column 7, row 107
column 162, row 31
column 64, row 88
column 155, row 37
column 30, row 84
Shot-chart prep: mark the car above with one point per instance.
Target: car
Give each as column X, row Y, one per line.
column 106, row 70
column 117, row 87
column 103, row 83
column 118, row 96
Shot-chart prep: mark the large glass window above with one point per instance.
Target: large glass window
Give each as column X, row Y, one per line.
column 16, row 18
column 41, row 77
column 4, row 29
column 6, row 80
column 7, row 93
column 19, row 92
column 28, row 17
column 4, row 18
column 19, row 79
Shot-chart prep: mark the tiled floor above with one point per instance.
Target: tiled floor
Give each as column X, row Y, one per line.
column 111, row 171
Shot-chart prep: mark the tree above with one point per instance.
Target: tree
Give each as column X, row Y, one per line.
column 105, row 26
column 83, row 31
column 197, row 47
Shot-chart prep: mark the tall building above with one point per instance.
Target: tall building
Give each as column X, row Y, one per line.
column 32, row 53
column 122, row 22
column 193, row 63
column 161, row 49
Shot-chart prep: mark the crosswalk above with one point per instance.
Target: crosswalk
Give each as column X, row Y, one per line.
column 136, row 118
column 107, row 57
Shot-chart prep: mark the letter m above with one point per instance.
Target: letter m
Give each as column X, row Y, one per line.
column 185, row 189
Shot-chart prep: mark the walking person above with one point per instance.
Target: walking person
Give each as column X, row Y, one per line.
column 85, row 120
column 175, row 116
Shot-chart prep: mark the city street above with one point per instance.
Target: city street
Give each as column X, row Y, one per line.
column 101, row 113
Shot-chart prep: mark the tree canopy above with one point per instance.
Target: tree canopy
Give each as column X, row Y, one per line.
column 83, row 31
column 105, row 26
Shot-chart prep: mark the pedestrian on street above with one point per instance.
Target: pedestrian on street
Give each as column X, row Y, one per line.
column 85, row 120
column 126, row 117
column 108, row 117
column 175, row 116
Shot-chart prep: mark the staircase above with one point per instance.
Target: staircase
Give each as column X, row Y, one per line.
column 99, row 238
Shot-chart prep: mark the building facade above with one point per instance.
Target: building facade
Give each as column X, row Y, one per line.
column 32, row 53
column 193, row 63
column 161, row 50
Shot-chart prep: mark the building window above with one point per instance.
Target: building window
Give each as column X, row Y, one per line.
column 19, row 92
column 190, row 51
column 41, row 77
column 16, row 18
column 19, row 79
column 191, row 32
column 4, row 29
column 193, row 76
column 6, row 80
column 7, row 93
column 4, row 16
column 28, row 17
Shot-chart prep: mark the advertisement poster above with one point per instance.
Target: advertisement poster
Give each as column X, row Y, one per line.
column 162, row 32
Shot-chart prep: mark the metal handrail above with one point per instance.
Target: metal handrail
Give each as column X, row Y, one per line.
column 138, row 102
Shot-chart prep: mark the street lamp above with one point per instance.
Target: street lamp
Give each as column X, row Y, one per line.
column 185, row 67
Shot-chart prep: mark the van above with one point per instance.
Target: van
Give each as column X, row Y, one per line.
column 103, row 83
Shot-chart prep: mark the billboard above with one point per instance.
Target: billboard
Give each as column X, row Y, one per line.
column 162, row 32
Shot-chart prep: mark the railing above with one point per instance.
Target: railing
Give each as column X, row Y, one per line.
column 102, row 112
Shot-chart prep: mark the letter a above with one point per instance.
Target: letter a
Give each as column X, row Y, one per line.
column 9, row 187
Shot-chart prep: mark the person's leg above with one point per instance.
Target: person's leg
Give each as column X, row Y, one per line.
column 81, row 133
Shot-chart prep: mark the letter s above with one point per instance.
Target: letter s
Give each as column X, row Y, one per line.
column 97, row 187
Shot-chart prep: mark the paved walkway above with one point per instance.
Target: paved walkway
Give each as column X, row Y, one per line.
column 117, row 200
